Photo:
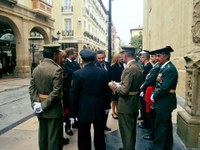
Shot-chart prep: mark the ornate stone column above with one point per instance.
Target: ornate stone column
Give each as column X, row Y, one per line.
column 188, row 121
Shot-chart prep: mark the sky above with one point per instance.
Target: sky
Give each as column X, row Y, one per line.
column 126, row 15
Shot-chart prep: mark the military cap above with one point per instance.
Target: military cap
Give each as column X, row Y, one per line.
column 87, row 54
column 165, row 50
column 144, row 51
column 52, row 47
column 153, row 52
column 127, row 49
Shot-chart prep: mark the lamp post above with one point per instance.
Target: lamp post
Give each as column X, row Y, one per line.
column 58, row 34
column 32, row 50
column 110, row 31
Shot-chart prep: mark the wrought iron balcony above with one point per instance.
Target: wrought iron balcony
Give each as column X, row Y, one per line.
column 41, row 7
column 68, row 9
column 67, row 32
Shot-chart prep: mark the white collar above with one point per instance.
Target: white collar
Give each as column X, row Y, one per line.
column 165, row 64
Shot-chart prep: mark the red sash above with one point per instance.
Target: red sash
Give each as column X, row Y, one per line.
column 148, row 101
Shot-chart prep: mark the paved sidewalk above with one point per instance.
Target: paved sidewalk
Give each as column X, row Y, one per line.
column 13, row 83
column 24, row 136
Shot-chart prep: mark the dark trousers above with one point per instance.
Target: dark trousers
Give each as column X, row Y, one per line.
column 143, row 112
column 84, row 135
column 105, row 119
column 151, row 120
column 163, row 136
column 50, row 133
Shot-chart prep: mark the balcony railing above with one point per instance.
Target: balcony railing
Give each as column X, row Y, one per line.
column 67, row 9
column 39, row 6
column 67, row 32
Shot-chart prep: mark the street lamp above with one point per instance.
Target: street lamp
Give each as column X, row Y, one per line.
column 110, row 31
column 32, row 50
column 58, row 34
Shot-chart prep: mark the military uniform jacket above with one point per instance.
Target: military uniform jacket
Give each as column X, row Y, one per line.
column 151, row 77
column 131, row 81
column 89, row 96
column 47, row 79
column 164, row 95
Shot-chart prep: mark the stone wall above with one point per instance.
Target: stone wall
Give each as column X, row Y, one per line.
column 169, row 23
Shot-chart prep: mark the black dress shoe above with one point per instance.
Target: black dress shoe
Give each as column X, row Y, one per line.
column 148, row 137
column 121, row 148
column 140, row 118
column 114, row 117
column 142, row 126
column 69, row 131
column 107, row 129
column 148, row 149
column 65, row 141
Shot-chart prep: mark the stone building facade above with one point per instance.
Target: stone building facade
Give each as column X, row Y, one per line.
column 24, row 19
column 177, row 23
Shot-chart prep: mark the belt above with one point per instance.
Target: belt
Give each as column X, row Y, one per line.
column 133, row 93
column 43, row 96
column 170, row 91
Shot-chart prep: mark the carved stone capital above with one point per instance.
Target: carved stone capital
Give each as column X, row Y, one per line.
column 193, row 59
column 196, row 22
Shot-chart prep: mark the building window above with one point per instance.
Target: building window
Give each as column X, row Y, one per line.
column 50, row 2
column 67, row 6
column 68, row 31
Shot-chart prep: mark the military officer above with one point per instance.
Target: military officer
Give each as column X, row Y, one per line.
column 164, row 97
column 89, row 98
column 45, row 94
column 148, row 87
column 129, row 99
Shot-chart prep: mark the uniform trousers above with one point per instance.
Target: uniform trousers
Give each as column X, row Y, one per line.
column 127, row 127
column 84, row 135
column 50, row 133
column 163, row 135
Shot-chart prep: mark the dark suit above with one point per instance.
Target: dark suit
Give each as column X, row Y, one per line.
column 108, row 69
column 69, row 68
column 129, row 103
column 88, row 100
column 165, row 101
column 47, row 79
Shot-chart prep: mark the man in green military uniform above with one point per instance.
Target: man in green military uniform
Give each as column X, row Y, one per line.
column 164, row 97
column 45, row 93
column 129, row 99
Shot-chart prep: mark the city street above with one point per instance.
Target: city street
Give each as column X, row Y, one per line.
column 14, row 103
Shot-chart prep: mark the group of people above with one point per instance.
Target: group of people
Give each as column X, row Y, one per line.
column 61, row 90
column 158, row 93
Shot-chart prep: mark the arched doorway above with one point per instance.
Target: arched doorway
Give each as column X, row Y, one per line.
column 7, row 49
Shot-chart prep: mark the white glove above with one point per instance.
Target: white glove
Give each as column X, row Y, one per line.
column 106, row 111
column 141, row 94
column 152, row 98
column 71, row 120
column 37, row 107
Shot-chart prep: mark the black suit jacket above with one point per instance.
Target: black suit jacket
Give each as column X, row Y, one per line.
column 108, row 66
column 89, row 93
column 146, row 69
column 69, row 68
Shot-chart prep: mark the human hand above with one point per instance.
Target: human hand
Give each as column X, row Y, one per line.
column 71, row 120
column 107, row 111
column 37, row 107
column 112, row 86
column 141, row 94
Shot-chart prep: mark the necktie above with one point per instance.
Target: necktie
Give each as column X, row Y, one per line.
column 104, row 67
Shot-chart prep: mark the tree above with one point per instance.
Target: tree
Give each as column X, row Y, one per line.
column 136, row 41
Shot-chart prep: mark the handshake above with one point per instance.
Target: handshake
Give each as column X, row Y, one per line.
column 113, row 86
column 37, row 107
